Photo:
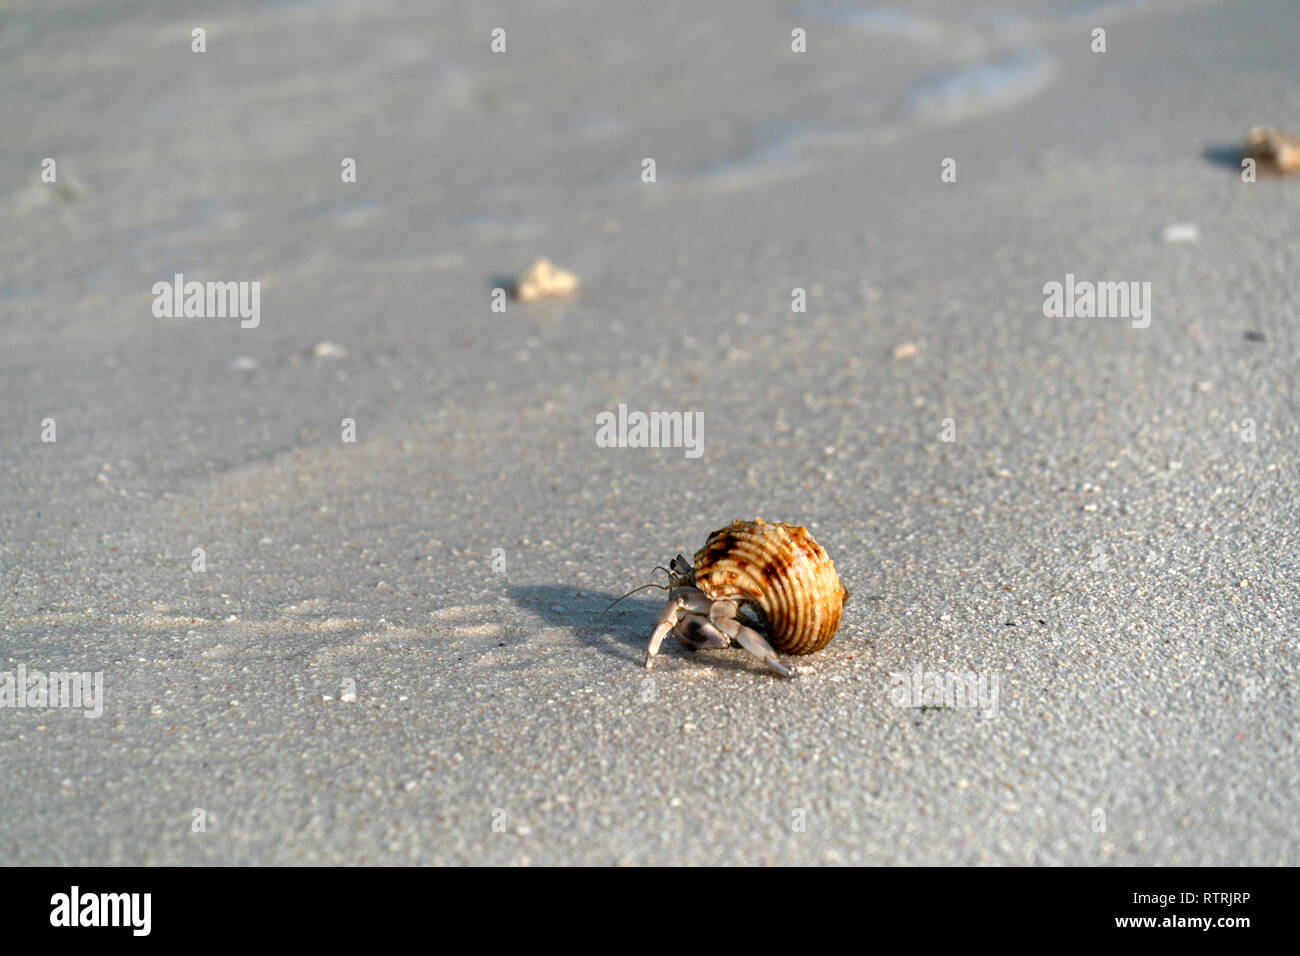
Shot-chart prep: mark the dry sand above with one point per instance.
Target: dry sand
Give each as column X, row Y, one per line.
column 360, row 675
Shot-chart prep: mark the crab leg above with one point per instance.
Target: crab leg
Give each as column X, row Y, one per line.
column 682, row 599
column 696, row 631
column 753, row 642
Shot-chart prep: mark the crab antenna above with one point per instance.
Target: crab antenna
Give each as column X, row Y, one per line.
column 630, row 593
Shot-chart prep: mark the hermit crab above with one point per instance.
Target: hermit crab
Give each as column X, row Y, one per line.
column 752, row 578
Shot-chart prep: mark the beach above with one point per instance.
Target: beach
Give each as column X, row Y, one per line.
column 341, row 560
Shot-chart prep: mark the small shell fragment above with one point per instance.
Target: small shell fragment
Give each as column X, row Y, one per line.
column 1275, row 152
column 1180, row 232
column 542, row 280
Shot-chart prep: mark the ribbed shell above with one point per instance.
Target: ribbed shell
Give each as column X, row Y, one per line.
column 782, row 570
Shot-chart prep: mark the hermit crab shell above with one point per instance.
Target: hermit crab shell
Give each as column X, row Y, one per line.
column 782, row 571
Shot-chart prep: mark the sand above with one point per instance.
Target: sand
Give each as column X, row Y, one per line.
column 394, row 652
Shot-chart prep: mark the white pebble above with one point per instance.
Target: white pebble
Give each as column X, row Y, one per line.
column 329, row 350
column 1180, row 232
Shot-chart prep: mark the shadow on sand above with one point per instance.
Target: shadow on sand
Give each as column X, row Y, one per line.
column 623, row 632
column 1225, row 155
